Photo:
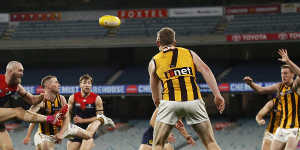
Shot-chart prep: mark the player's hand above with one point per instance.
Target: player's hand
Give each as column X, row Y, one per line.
column 261, row 122
column 284, row 55
column 179, row 124
column 248, row 80
column 58, row 137
column 77, row 119
column 190, row 140
column 171, row 138
column 26, row 140
column 46, row 97
column 220, row 103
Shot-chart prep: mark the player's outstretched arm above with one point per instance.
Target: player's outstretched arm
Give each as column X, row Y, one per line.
column 264, row 111
column 28, row 97
column 285, row 58
column 259, row 89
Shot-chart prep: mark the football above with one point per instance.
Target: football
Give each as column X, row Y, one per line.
column 109, row 21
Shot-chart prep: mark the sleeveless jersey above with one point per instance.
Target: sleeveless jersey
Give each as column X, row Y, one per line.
column 50, row 109
column 275, row 115
column 6, row 92
column 84, row 107
column 290, row 107
column 176, row 70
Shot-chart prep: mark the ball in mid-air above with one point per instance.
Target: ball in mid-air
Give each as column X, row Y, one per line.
column 109, row 21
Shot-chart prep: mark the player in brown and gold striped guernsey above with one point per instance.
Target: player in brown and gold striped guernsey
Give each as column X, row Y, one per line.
column 274, row 108
column 175, row 68
column 286, row 136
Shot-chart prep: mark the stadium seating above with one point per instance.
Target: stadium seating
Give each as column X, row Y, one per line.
column 139, row 74
column 3, row 26
column 67, row 76
column 256, row 70
column 131, row 27
column 264, row 23
column 61, row 30
column 244, row 135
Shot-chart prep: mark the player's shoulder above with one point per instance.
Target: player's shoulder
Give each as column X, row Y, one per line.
column 61, row 96
column 77, row 94
column 93, row 94
column 182, row 48
column 157, row 55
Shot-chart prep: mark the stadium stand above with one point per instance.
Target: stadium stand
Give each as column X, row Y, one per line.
column 245, row 131
column 91, row 29
column 257, row 70
column 67, row 76
column 61, row 30
column 139, row 74
column 3, row 26
column 263, row 23
column 134, row 75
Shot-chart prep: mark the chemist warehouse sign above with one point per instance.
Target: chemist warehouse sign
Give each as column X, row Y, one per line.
column 145, row 89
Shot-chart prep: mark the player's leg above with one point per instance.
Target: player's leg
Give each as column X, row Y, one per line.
column 5, row 142
column 87, row 144
column 165, row 121
column 168, row 146
column 266, row 144
column 198, row 118
column 76, row 131
column 267, row 141
column 277, row 145
column 93, row 127
column 73, row 145
column 47, row 145
column 161, row 133
column 145, row 147
column 291, row 143
column 37, row 148
column 20, row 113
column 280, row 139
column 205, row 132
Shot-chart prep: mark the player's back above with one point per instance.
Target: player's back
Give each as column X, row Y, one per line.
column 176, row 69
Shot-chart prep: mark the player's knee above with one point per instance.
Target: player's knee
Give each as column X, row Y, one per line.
column 159, row 141
column 209, row 140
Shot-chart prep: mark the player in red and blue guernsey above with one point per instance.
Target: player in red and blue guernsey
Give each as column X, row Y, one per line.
column 86, row 110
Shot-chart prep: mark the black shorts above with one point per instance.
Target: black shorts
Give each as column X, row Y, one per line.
column 2, row 127
column 148, row 136
column 76, row 139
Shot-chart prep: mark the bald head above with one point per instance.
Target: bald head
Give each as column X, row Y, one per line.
column 14, row 72
column 13, row 65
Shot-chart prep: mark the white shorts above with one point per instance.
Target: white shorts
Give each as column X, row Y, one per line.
column 193, row 111
column 40, row 138
column 268, row 136
column 282, row 135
